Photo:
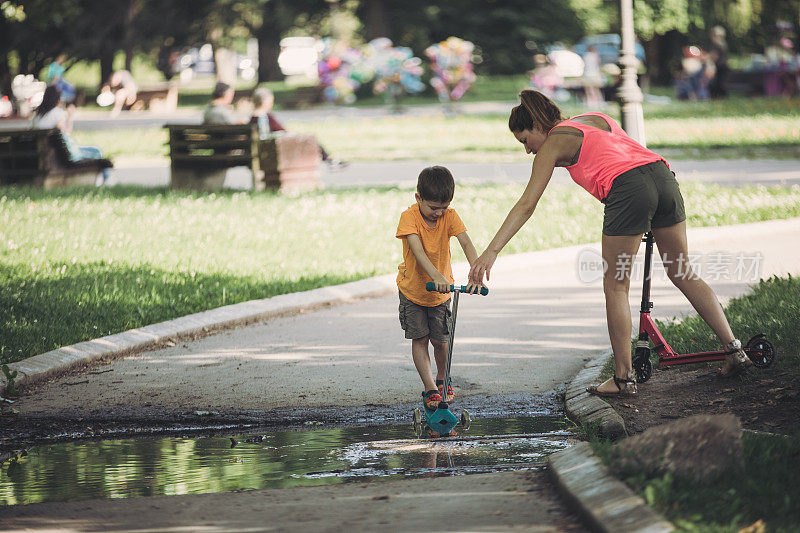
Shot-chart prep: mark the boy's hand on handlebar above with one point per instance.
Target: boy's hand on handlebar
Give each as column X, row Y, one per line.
column 442, row 284
column 481, row 266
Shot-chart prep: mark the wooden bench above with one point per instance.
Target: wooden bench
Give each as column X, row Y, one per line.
column 201, row 154
column 157, row 98
column 40, row 158
column 304, row 96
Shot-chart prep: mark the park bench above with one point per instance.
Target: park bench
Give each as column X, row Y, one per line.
column 162, row 97
column 40, row 158
column 201, row 154
column 302, row 97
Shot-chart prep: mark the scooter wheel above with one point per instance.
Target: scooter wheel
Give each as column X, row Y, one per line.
column 465, row 419
column 417, row 419
column 760, row 351
column 642, row 364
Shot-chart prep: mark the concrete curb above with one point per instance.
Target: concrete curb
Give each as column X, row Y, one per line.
column 607, row 504
column 588, row 409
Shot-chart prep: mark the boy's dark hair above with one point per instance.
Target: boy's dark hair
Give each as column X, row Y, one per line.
column 436, row 184
column 220, row 89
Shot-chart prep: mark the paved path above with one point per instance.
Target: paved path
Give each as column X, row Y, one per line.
column 729, row 172
column 534, row 332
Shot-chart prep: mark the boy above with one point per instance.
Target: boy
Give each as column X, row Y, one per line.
column 426, row 228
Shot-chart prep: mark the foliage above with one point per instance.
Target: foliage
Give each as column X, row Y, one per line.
column 766, row 490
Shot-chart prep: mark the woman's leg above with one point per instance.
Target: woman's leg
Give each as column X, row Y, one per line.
column 673, row 248
column 618, row 254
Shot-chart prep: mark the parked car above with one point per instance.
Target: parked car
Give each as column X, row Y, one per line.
column 607, row 46
column 199, row 61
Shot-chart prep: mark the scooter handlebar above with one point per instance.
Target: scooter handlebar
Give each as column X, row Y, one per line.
column 431, row 286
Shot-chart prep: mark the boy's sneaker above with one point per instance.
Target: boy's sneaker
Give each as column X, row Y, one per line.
column 432, row 399
column 440, row 386
column 433, row 435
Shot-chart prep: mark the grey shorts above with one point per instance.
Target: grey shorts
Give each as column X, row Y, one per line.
column 643, row 198
column 419, row 321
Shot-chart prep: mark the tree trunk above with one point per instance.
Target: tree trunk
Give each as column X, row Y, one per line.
column 106, row 66
column 225, row 64
column 269, row 45
column 377, row 20
column 268, row 69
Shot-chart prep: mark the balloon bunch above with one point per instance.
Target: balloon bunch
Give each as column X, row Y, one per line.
column 451, row 62
column 339, row 71
column 396, row 70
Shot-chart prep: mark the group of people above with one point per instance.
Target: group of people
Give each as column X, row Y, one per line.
column 220, row 111
column 547, row 78
column 640, row 194
column 703, row 74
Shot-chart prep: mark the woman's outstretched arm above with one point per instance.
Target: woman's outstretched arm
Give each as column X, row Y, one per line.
column 555, row 148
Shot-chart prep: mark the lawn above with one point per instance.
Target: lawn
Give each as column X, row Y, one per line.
column 82, row 263
column 739, row 127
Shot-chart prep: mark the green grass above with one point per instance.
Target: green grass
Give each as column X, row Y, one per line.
column 81, row 263
column 766, row 489
column 486, row 138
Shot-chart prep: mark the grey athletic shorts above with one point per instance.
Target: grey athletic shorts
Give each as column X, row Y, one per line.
column 419, row 321
column 643, row 198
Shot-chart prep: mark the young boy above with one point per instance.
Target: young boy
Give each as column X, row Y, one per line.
column 426, row 228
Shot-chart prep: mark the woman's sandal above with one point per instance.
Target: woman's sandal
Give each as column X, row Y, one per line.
column 736, row 360
column 625, row 387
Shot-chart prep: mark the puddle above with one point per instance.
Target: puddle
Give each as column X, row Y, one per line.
column 124, row 468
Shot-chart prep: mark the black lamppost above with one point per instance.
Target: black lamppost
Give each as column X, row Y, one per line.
column 630, row 95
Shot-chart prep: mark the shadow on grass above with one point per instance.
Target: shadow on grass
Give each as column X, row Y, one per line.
column 65, row 304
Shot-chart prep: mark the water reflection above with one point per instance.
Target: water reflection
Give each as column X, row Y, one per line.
column 123, row 468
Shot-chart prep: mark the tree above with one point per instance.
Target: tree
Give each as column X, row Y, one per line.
column 500, row 28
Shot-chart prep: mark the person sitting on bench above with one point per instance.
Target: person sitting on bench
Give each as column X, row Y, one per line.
column 50, row 114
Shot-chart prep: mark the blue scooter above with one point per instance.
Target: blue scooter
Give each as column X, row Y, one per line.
column 442, row 421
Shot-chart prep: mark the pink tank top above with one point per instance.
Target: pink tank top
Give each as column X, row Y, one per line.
column 605, row 155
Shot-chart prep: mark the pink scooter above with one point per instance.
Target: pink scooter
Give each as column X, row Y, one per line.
column 758, row 348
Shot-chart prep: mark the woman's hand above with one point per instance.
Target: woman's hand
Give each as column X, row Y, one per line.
column 481, row 266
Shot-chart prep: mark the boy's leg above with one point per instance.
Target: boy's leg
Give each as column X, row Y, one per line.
column 422, row 361
column 440, row 355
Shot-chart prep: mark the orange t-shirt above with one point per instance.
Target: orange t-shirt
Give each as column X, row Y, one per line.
column 411, row 278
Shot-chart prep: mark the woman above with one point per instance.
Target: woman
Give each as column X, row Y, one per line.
column 51, row 115
column 640, row 194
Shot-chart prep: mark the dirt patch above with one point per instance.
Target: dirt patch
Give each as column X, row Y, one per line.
column 763, row 399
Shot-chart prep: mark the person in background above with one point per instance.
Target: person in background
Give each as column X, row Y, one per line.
column 50, row 114
column 263, row 100
column 718, row 53
column 219, row 110
column 55, row 76
column 592, row 79
column 122, row 85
